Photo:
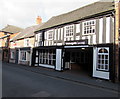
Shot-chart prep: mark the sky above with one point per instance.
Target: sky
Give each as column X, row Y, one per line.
column 23, row 13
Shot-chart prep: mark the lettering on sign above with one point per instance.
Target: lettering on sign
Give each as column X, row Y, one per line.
column 76, row 42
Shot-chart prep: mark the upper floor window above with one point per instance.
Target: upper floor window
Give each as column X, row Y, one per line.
column 26, row 42
column 69, row 30
column 50, row 35
column 39, row 37
column 89, row 27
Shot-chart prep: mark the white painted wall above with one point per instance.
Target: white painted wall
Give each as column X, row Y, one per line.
column 108, row 30
column 58, row 59
column 77, row 28
column 100, row 30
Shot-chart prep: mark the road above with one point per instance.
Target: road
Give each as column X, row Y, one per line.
column 18, row 82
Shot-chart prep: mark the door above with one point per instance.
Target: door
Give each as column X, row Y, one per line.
column 101, row 62
column 58, row 59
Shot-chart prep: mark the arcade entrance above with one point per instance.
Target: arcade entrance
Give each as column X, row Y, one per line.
column 79, row 60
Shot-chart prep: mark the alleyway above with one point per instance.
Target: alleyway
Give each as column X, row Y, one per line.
column 24, row 81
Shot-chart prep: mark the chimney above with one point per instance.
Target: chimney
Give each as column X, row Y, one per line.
column 38, row 20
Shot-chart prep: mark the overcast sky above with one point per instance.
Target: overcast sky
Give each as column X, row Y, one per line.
column 23, row 13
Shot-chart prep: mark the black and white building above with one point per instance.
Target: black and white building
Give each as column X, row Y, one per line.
column 82, row 39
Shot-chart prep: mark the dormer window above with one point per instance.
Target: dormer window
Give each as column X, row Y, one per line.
column 89, row 27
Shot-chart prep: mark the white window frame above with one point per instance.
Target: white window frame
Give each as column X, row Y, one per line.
column 47, row 56
column 50, row 35
column 21, row 57
column 103, row 60
column 89, row 27
column 26, row 42
column 69, row 30
column 12, row 56
column 39, row 36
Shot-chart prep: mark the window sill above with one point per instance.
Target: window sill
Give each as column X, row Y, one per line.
column 88, row 34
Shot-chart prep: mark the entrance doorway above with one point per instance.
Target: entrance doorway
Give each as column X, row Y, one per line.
column 79, row 60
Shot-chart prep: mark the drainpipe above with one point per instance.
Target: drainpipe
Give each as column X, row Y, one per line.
column 116, row 39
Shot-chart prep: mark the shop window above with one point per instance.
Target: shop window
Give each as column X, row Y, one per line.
column 47, row 57
column 103, row 59
column 23, row 55
column 89, row 27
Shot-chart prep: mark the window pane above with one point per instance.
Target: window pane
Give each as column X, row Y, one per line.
column 106, row 61
column 106, row 56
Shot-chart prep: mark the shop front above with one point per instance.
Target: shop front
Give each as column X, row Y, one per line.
column 24, row 56
column 93, row 60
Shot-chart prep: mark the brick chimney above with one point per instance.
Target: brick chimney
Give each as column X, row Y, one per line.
column 38, row 20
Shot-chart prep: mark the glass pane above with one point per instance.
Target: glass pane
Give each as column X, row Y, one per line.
column 100, row 51
column 102, row 56
column 98, row 66
column 106, row 61
column 102, row 66
column 106, row 67
column 99, row 61
column 105, row 51
column 99, row 56
column 106, row 56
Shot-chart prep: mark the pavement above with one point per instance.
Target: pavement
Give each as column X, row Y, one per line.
column 76, row 77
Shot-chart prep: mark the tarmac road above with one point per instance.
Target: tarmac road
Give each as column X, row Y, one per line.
column 18, row 82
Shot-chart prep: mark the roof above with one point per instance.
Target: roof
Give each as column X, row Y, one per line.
column 83, row 12
column 27, row 32
column 11, row 29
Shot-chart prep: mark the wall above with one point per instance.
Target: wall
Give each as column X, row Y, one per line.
column 104, row 32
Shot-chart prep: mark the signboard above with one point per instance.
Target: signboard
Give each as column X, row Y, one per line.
column 76, row 42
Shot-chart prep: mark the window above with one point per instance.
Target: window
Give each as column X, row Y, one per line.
column 50, row 35
column 89, row 27
column 69, row 30
column 40, row 36
column 36, row 37
column 12, row 55
column 47, row 57
column 103, row 59
column 23, row 55
column 26, row 42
